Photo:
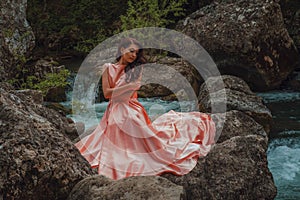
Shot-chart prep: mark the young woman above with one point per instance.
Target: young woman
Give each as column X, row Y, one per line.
column 126, row 142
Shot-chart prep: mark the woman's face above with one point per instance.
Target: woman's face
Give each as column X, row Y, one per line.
column 129, row 54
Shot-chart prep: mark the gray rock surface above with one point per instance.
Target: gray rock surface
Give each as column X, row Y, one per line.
column 132, row 188
column 16, row 37
column 234, row 169
column 175, row 74
column 37, row 161
column 246, row 38
column 235, row 93
column 236, row 123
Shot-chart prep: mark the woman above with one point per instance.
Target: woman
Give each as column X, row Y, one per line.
column 126, row 142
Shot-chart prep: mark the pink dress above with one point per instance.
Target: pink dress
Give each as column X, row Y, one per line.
column 126, row 142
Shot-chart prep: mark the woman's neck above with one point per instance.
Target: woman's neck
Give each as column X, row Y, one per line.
column 122, row 62
column 121, row 65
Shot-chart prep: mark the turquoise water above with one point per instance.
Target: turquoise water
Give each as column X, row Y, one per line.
column 284, row 145
column 154, row 107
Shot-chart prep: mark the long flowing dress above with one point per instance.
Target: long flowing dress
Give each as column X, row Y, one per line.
column 126, row 142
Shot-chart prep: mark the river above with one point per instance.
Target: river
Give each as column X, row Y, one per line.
column 284, row 144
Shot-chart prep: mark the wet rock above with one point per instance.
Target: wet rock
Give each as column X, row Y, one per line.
column 132, row 188
column 37, row 161
column 247, row 39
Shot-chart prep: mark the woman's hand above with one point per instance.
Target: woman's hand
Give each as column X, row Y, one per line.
column 134, row 85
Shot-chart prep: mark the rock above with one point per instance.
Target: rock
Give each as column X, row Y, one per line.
column 175, row 76
column 234, row 169
column 225, row 81
column 54, row 117
column 245, row 38
column 74, row 130
column 237, row 96
column 236, row 123
column 83, row 132
column 6, row 86
column 139, row 187
column 293, row 81
column 58, row 107
column 36, row 160
column 41, row 67
column 291, row 15
column 35, row 95
column 16, row 38
column 56, row 94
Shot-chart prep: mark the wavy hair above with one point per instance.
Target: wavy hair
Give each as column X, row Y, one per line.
column 132, row 70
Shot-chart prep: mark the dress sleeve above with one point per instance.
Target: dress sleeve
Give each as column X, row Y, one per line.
column 107, row 68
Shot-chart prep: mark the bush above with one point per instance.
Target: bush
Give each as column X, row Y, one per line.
column 151, row 13
column 51, row 80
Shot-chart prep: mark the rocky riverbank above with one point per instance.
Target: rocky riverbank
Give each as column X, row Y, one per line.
column 39, row 161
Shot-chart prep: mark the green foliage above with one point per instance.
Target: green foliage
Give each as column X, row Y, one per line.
column 86, row 45
column 80, row 25
column 152, row 13
column 51, row 80
column 18, row 71
column 147, row 13
column 77, row 24
column 24, row 80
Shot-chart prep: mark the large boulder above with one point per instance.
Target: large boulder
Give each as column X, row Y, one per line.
column 167, row 77
column 245, row 38
column 34, row 100
column 234, row 169
column 37, row 161
column 16, row 38
column 236, row 95
column 132, row 188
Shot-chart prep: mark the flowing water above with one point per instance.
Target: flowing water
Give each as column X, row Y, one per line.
column 284, row 145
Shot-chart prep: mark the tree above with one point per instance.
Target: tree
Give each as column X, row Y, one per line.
column 155, row 13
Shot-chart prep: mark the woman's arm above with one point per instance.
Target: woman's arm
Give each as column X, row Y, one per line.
column 125, row 90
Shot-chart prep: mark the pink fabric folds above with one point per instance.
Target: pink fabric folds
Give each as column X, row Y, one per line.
column 126, row 142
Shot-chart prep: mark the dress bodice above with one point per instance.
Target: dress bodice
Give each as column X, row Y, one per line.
column 117, row 76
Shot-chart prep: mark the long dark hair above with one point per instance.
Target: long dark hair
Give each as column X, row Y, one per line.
column 132, row 70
